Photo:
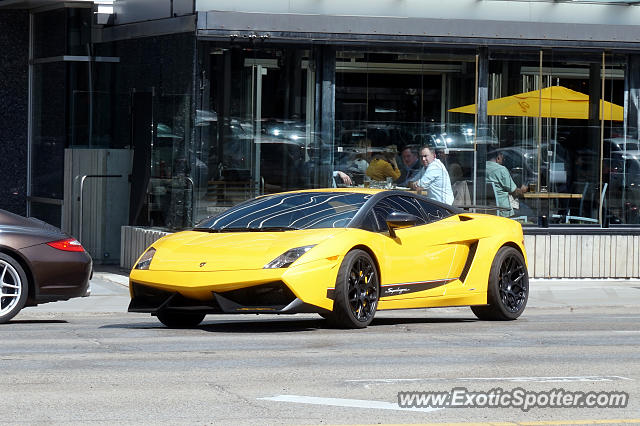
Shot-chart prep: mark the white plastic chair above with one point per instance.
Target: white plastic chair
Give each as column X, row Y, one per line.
column 584, row 193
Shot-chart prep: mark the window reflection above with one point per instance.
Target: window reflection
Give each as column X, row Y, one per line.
column 545, row 112
column 256, row 129
column 567, row 163
column 393, row 103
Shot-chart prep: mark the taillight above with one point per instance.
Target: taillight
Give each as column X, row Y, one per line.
column 67, row 245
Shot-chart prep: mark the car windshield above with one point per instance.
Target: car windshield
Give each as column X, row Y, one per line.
column 282, row 212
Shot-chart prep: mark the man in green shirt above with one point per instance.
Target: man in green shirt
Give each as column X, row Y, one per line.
column 504, row 185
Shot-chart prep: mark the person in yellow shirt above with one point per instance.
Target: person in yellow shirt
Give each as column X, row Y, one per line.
column 384, row 165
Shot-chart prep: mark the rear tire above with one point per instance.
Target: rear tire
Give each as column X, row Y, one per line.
column 357, row 291
column 508, row 289
column 14, row 288
column 178, row 319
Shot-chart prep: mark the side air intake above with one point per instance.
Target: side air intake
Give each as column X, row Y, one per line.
column 467, row 266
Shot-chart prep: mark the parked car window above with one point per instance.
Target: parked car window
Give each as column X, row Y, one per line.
column 432, row 212
column 369, row 223
column 396, row 203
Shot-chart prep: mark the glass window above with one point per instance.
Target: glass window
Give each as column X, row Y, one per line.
column 172, row 172
column 78, row 37
column 620, row 189
column 407, row 205
column 544, row 109
column 144, row 103
column 391, row 103
column 70, row 102
column 49, row 129
column 90, row 105
column 255, row 129
column 381, row 211
column 396, row 203
column 432, row 212
column 67, row 112
column 63, row 31
column 369, row 223
column 50, row 213
column 49, row 33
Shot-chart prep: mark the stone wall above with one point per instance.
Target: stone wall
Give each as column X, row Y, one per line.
column 14, row 101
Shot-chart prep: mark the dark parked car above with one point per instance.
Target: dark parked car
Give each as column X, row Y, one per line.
column 38, row 264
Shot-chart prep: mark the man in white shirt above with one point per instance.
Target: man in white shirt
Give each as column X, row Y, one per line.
column 434, row 179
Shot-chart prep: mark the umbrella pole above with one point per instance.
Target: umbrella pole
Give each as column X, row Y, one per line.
column 475, row 136
column 601, row 140
column 539, row 126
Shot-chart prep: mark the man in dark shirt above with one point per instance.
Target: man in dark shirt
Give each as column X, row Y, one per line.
column 410, row 166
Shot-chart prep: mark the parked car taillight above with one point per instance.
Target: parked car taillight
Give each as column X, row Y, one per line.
column 69, row 244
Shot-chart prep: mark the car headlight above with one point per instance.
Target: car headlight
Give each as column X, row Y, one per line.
column 145, row 260
column 288, row 257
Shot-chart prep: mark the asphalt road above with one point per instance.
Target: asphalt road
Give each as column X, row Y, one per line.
column 88, row 361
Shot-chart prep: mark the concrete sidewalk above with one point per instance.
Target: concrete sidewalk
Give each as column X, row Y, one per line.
column 110, row 293
column 550, row 293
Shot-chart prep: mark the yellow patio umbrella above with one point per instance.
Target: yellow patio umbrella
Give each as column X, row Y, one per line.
column 550, row 102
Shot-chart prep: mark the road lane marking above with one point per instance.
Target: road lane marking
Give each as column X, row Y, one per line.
column 343, row 402
column 558, row 379
column 579, row 422
column 551, row 379
column 524, row 423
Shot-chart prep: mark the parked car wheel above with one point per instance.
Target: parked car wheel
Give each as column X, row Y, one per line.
column 14, row 288
column 508, row 289
column 357, row 291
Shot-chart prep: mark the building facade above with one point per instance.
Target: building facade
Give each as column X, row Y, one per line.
column 158, row 114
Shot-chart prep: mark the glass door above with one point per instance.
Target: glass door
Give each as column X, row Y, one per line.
column 256, row 125
column 255, row 70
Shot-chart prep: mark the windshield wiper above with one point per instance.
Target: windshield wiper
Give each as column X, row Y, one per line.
column 275, row 228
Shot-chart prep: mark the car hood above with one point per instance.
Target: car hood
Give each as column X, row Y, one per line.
column 230, row 251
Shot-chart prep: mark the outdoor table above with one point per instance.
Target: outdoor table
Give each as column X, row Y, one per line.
column 549, row 195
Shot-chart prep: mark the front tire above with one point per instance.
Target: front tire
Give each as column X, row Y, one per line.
column 508, row 289
column 14, row 288
column 357, row 291
column 178, row 319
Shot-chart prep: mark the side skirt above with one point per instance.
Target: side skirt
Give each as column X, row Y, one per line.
column 434, row 302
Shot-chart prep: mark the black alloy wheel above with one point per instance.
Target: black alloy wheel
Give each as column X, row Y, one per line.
column 513, row 284
column 508, row 288
column 357, row 291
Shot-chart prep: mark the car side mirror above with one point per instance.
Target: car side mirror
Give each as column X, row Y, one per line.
column 399, row 220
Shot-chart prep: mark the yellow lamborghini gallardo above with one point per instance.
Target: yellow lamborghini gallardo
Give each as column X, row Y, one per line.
column 342, row 253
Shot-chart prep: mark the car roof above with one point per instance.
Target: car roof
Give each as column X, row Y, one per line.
column 377, row 193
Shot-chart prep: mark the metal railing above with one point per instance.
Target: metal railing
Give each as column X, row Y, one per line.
column 80, row 200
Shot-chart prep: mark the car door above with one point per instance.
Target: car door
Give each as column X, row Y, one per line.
column 417, row 262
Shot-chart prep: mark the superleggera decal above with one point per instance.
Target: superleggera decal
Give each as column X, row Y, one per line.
column 388, row 290
column 405, row 288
